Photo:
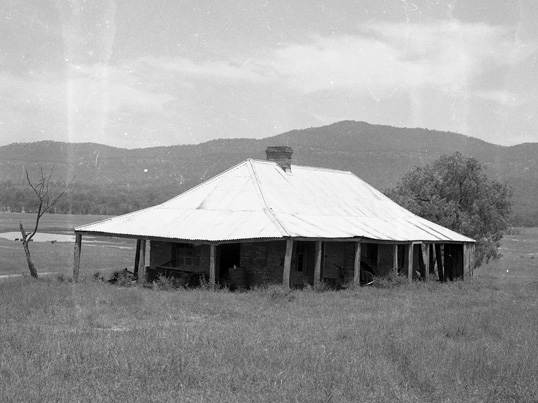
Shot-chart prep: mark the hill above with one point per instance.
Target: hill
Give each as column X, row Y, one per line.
column 122, row 180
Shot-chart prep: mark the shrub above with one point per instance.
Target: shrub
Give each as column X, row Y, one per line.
column 124, row 278
column 391, row 280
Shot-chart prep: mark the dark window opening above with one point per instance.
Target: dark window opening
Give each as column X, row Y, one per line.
column 301, row 257
column 229, row 256
column 187, row 255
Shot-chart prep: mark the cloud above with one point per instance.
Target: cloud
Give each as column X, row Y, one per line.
column 95, row 86
column 501, row 97
column 378, row 60
column 84, row 87
column 382, row 58
column 426, row 64
column 81, row 104
column 220, row 70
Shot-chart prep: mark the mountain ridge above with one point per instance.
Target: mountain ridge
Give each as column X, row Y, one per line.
column 378, row 154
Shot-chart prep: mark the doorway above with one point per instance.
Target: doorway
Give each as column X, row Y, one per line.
column 229, row 256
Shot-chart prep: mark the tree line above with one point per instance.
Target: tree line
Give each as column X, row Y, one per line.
column 85, row 199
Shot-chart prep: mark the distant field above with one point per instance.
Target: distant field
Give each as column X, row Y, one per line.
column 49, row 222
column 520, row 258
column 98, row 253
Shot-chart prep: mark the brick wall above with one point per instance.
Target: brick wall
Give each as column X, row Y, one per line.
column 264, row 261
column 159, row 252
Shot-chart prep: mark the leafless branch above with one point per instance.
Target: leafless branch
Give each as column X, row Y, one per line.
column 48, row 192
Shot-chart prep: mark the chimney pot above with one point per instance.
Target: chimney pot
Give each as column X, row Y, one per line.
column 281, row 155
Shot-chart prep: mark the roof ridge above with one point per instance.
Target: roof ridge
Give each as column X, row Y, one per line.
column 303, row 166
column 266, row 209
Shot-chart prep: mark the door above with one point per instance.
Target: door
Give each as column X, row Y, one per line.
column 334, row 262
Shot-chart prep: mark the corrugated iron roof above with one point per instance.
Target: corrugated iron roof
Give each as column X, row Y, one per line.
column 258, row 199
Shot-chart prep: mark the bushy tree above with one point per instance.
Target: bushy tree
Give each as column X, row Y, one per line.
column 455, row 192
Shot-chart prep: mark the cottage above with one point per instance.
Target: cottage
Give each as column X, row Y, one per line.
column 273, row 221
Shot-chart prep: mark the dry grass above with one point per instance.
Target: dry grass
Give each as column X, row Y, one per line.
column 472, row 342
column 461, row 342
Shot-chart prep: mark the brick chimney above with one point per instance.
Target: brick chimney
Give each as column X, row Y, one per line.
column 281, row 155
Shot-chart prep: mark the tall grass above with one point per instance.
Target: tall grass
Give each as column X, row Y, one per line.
column 460, row 342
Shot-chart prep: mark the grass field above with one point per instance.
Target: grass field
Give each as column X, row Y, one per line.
column 520, row 258
column 474, row 341
column 98, row 254
column 460, row 342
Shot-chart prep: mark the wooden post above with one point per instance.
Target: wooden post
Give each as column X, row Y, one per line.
column 317, row 267
column 395, row 258
column 468, row 257
column 446, row 261
column 465, row 262
column 357, row 265
column 472, row 258
column 287, row 263
column 433, row 260
column 212, row 270
column 439, row 259
column 142, row 262
column 78, row 251
column 137, row 257
column 410, row 262
column 425, row 247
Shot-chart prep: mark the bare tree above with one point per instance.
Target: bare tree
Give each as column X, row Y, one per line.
column 48, row 191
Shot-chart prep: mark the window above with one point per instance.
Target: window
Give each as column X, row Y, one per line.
column 188, row 255
column 301, row 257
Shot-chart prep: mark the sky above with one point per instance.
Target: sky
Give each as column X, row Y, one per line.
column 143, row 73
